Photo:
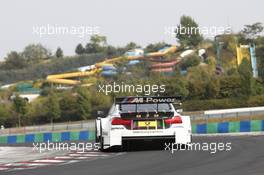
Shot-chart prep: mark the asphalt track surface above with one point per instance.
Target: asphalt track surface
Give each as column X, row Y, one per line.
column 245, row 158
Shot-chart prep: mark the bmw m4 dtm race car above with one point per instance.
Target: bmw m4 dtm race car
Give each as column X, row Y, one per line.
column 142, row 118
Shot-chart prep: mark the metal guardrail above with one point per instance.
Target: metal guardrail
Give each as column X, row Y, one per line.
column 69, row 126
column 227, row 113
column 90, row 125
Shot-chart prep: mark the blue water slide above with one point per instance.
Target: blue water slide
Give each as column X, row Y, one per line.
column 133, row 62
column 108, row 68
column 252, row 49
column 163, row 49
column 108, row 73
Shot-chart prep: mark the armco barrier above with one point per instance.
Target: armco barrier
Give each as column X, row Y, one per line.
column 224, row 127
column 229, row 127
column 49, row 136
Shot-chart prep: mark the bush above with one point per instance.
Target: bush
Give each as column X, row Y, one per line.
column 190, row 61
column 199, row 105
column 41, row 70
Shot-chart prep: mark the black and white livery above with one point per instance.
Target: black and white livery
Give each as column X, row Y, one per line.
column 142, row 118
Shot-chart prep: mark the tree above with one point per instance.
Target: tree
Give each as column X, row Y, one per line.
column 38, row 111
column 131, row 46
column 36, row 52
column 187, row 32
column 230, row 86
column 212, row 88
column 79, row 49
column 99, row 102
column 251, row 31
column 98, row 40
column 84, row 103
column 190, row 61
column 174, row 86
column 59, row 53
column 92, row 48
column 53, row 107
column 97, row 44
column 14, row 61
column 3, row 115
column 246, row 75
column 69, row 107
column 155, row 47
column 20, row 106
column 198, row 78
column 197, row 89
column 111, row 51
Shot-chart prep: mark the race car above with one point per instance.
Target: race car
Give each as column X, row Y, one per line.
column 142, row 118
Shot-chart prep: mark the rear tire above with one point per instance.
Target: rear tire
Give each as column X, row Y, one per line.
column 97, row 138
column 102, row 143
column 101, row 138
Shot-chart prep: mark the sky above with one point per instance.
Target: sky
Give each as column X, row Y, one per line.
column 141, row 21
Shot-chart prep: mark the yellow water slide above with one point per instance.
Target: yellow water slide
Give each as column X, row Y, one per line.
column 63, row 78
column 242, row 52
column 171, row 49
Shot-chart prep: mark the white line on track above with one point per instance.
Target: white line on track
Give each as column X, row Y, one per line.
column 2, row 169
column 87, row 155
column 48, row 161
column 68, row 158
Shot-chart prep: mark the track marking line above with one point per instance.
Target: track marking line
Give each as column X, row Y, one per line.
column 87, row 155
column 2, row 169
column 67, row 158
column 48, row 161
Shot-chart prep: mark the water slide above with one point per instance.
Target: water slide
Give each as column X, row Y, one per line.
column 254, row 65
column 242, row 52
column 163, row 70
column 164, row 66
column 63, row 78
column 248, row 52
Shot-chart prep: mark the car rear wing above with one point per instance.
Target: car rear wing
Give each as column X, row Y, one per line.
column 148, row 100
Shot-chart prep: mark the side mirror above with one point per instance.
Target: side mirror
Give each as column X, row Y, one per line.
column 100, row 113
